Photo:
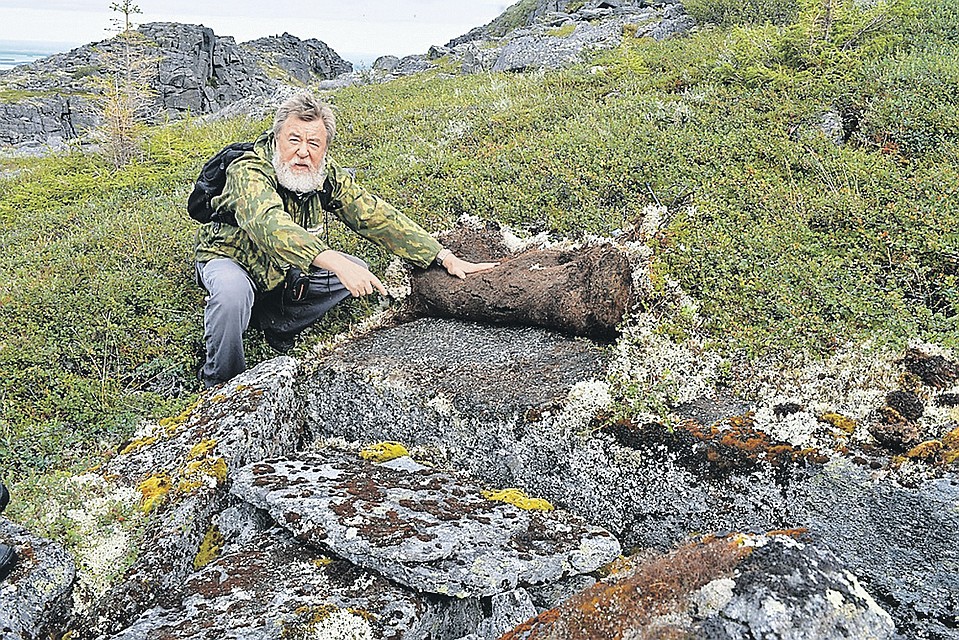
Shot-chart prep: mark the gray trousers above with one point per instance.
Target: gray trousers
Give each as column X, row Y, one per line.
column 232, row 301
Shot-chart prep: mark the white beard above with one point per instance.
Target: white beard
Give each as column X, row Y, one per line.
column 296, row 181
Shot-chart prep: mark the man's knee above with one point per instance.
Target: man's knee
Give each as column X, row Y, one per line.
column 228, row 285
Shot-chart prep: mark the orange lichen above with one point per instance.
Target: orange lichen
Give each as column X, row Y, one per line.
column 630, row 601
column 792, row 533
column 738, row 434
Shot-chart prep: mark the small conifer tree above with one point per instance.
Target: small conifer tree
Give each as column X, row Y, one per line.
column 124, row 88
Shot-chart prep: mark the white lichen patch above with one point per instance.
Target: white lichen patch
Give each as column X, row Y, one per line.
column 774, row 608
column 397, row 279
column 100, row 560
column 584, row 400
column 98, row 517
column 835, row 598
column 857, row 590
column 712, row 597
column 852, row 382
column 798, row 429
column 441, row 405
column 654, row 372
column 342, row 625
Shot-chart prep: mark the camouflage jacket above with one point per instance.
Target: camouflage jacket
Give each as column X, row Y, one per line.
column 273, row 222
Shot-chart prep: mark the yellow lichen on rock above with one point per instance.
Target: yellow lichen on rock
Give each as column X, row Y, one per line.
column 925, row 450
column 201, row 473
column 518, row 498
column 201, row 449
column 138, row 444
column 950, row 446
column 154, row 490
column 384, row 451
column 839, row 421
column 172, row 424
column 210, row 548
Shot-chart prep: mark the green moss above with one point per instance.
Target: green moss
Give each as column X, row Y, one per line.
column 562, row 32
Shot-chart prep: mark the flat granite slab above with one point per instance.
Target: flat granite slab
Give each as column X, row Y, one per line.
column 430, row 530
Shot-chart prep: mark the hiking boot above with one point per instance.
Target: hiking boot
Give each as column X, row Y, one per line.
column 8, row 558
column 4, row 497
column 279, row 342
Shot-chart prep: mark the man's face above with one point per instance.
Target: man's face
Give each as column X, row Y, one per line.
column 300, row 154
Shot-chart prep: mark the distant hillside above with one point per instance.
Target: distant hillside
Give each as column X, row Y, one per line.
column 197, row 72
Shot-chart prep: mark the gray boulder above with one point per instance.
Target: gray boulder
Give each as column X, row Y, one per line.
column 36, row 598
column 738, row 588
column 430, row 530
column 272, row 587
column 188, row 463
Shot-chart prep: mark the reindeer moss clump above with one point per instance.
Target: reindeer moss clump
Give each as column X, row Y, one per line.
column 210, row 548
column 518, row 498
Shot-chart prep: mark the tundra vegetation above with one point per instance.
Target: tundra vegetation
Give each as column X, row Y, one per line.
column 804, row 153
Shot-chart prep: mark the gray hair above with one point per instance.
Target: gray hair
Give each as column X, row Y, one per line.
column 306, row 107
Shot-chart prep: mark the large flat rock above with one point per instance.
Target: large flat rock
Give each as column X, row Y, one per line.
column 430, row 530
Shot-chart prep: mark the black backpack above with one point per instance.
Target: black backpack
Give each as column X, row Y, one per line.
column 210, row 184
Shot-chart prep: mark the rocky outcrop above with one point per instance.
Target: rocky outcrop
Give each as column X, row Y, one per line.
column 648, row 485
column 547, row 34
column 192, row 72
column 305, row 61
column 278, row 509
column 36, row 598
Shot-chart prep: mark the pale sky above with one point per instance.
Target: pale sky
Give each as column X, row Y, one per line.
column 353, row 28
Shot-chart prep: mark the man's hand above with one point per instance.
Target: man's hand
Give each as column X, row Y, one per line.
column 460, row 268
column 359, row 280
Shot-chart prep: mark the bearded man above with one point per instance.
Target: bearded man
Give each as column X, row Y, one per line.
column 273, row 266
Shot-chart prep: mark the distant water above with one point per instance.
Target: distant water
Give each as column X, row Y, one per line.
column 15, row 52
